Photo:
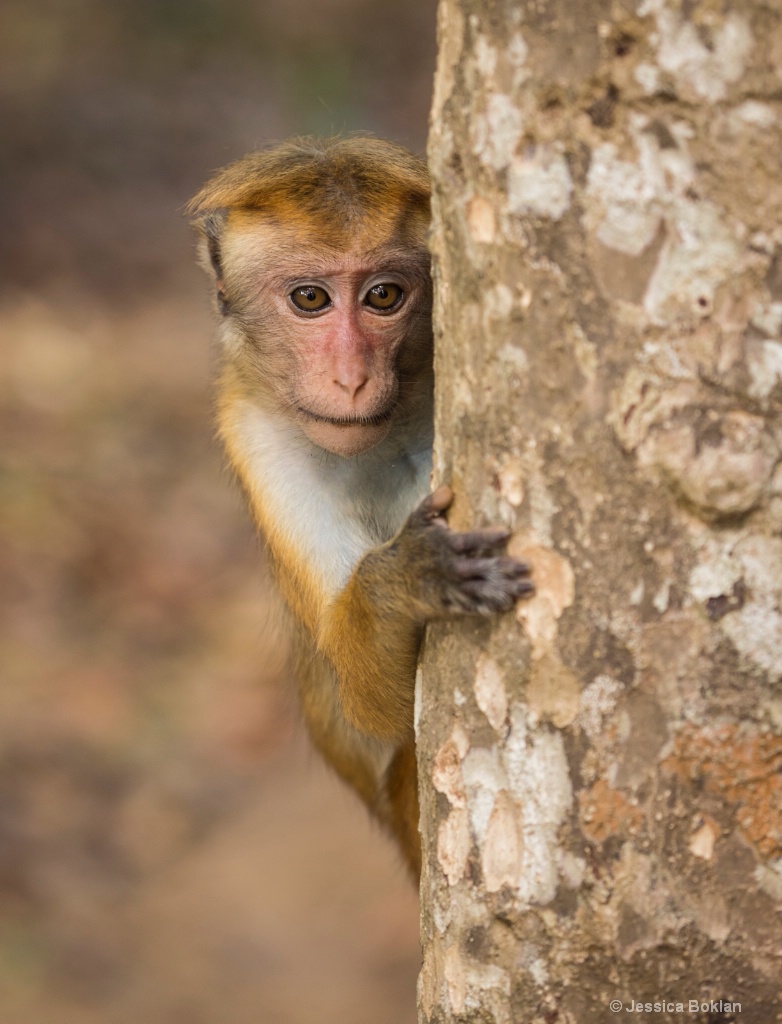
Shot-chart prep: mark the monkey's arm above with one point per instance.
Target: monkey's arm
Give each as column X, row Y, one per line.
column 372, row 631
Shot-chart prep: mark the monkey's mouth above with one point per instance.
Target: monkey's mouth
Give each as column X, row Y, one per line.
column 346, row 435
column 377, row 420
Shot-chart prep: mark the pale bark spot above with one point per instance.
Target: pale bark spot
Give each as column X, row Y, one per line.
column 480, row 219
column 755, row 114
column 764, row 362
column 511, row 482
column 447, row 767
column 454, row 976
column 662, row 598
column 539, row 780
column 497, row 303
column 767, row 317
column 497, row 133
column 597, row 701
column 732, row 565
column 705, row 71
column 485, row 57
column 539, row 183
column 483, row 778
column 585, row 352
column 488, row 988
column 463, row 395
column 700, row 252
column 517, row 53
column 775, row 491
column 647, row 76
column 769, row 878
column 453, row 845
column 490, row 691
column 702, row 841
column 554, row 691
column 555, row 588
column 542, row 506
column 572, row 869
column 501, row 855
column 621, row 208
column 515, row 357
column 541, row 625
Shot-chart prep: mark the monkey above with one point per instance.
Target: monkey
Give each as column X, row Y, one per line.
column 317, row 250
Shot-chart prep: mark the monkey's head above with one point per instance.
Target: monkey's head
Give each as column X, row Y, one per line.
column 318, row 253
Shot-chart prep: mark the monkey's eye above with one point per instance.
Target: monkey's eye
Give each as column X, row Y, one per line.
column 384, row 297
column 310, row 298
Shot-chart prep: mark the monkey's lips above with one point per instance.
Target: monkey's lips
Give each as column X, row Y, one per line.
column 345, row 435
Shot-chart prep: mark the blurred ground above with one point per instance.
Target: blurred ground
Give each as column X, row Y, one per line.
column 170, row 851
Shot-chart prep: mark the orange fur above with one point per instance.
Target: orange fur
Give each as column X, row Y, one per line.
column 306, row 178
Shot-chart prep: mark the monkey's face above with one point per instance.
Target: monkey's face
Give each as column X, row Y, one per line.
column 334, row 333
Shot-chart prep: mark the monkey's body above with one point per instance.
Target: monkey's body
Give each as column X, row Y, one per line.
column 318, row 251
column 320, row 514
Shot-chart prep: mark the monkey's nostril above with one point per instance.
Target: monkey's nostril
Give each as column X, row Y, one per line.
column 352, row 384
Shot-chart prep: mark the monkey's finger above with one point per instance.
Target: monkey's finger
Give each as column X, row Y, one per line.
column 478, row 540
column 483, row 568
column 497, row 595
column 514, row 567
column 522, row 588
column 431, row 508
column 438, row 501
column 512, row 588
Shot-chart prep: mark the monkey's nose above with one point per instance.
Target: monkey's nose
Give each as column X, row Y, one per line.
column 351, row 378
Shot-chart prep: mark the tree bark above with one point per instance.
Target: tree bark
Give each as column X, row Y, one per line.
column 601, row 773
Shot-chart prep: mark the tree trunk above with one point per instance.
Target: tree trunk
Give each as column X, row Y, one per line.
column 601, row 773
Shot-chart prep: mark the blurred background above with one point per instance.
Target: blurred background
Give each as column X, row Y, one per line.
column 170, row 850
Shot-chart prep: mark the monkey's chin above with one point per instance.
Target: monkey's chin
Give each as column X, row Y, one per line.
column 345, row 439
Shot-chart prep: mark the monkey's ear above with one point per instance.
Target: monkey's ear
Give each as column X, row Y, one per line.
column 211, row 227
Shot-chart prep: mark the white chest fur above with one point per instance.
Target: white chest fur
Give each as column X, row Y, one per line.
column 330, row 508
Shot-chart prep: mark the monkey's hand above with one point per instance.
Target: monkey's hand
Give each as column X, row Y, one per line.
column 372, row 631
column 458, row 573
